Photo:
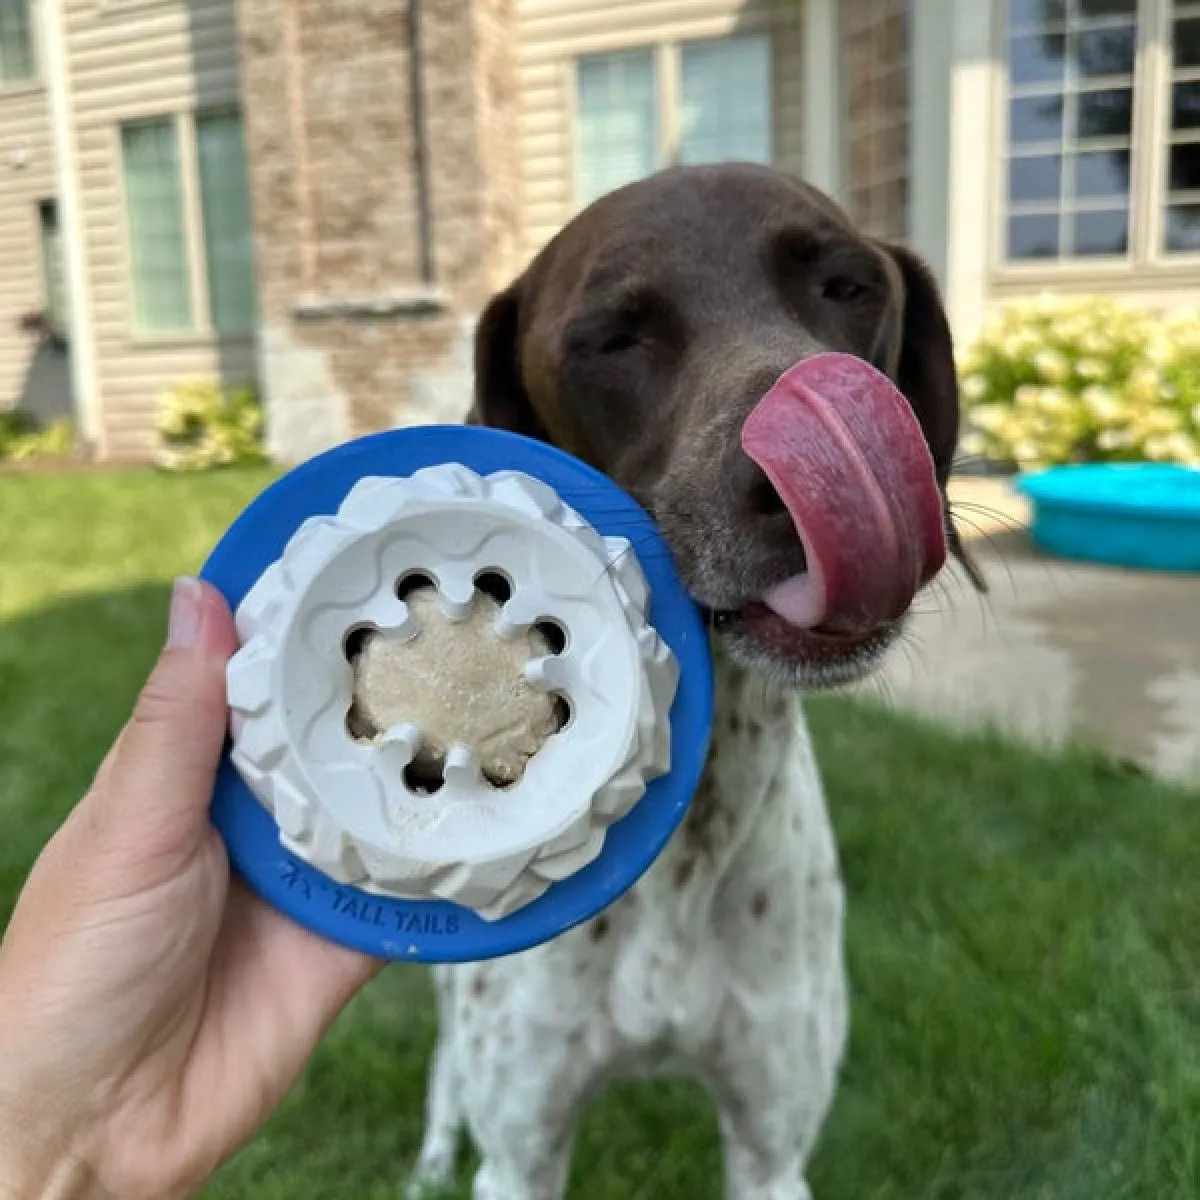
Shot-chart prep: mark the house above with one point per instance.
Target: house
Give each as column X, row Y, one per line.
column 320, row 195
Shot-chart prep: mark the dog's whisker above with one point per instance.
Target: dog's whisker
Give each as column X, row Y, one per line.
column 984, row 510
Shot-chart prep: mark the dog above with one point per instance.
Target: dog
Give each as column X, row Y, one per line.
column 642, row 339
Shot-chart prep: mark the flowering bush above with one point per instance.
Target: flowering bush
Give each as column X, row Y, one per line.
column 202, row 424
column 22, row 439
column 1067, row 381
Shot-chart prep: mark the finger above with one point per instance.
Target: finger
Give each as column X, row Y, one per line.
column 159, row 776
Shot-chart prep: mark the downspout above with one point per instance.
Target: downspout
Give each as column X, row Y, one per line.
column 420, row 137
column 82, row 350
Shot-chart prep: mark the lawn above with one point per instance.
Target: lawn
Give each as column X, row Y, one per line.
column 1024, row 938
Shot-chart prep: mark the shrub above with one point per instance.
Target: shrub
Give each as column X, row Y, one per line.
column 22, row 439
column 203, row 424
column 1068, row 381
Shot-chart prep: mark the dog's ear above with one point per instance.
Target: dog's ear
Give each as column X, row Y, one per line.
column 501, row 400
column 928, row 377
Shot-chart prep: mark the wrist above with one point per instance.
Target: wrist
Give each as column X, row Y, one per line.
column 25, row 1176
column 36, row 1159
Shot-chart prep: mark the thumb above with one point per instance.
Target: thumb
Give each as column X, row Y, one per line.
column 161, row 771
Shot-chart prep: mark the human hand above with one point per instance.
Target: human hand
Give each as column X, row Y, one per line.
column 153, row 1012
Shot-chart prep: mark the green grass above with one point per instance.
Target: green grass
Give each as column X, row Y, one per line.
column 1024, row 937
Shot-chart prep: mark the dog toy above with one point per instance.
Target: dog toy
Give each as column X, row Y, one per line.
column 471, row 700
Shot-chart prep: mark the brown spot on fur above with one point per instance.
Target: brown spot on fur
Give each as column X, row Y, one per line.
column 697, row 828
column 683, row 872
column 760, row 905
column 478, row 986
column 599, row 929
column 735, row 722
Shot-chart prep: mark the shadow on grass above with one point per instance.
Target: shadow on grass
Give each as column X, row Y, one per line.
column 1023, row 951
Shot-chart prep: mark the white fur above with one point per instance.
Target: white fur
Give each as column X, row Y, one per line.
column 723, row 964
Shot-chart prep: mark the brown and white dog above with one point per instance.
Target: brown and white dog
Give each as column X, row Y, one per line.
column 670, row 336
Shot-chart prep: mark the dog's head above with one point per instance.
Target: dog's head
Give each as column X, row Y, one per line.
column 652, row 327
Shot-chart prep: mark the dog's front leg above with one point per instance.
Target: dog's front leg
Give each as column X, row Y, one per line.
column 778, row 1048
column 526, row 1129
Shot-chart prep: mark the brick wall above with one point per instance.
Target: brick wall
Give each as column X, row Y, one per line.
column 353, row 339
column 876, row 64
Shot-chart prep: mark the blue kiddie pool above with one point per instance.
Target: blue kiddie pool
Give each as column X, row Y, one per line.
column 1141, row 515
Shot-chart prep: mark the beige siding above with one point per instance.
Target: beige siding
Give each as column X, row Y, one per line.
column 130, row 59
column 26, row 177
column 551, row 34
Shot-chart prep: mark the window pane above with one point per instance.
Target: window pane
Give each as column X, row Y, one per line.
column 16, row 42
column 1102, row 173
column 1107, row 8
column 1033, row 237
column 1106, row 51
column 727, row 101
column 1035, row 178
column 1036, row 119
column 1107, row 113
column 154, row 212
column 1037, row 58
column 1187, row 42
column 1023, row 13
column 1185, row 106
column 618, row 121
column 228, row 231
column 1185, row 167
column 1101, row 233
column 1183, row 229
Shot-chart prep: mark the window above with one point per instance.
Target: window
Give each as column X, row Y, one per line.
column 228, row 230
column 16, row 42
column 175, row 216
column 628, row 126
column 1072, row 69
column 162, row 284
column 726, row 93
column 1181, row 215
column 1087, row 174
column 54, row 288
column 618, row 121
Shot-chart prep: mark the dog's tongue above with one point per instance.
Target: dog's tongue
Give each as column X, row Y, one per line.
column 844, row 451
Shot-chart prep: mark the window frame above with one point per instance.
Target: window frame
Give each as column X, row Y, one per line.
column 1146, row 261
column 32, row 81
column 668, row 74
column 202, row 330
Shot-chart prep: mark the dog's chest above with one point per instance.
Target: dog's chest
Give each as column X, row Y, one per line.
column 712, row 924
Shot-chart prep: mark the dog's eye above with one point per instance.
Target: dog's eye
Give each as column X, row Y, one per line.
column 617, row 343
column 842, row 290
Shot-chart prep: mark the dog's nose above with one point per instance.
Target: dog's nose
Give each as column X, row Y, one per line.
column 760, row 512
column 752, row 494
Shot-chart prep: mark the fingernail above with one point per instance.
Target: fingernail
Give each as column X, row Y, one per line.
column 183, row 630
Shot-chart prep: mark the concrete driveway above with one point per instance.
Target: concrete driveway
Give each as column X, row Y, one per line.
column 1057, row 650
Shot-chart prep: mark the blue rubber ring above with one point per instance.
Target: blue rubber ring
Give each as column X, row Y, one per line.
column 438, row 931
